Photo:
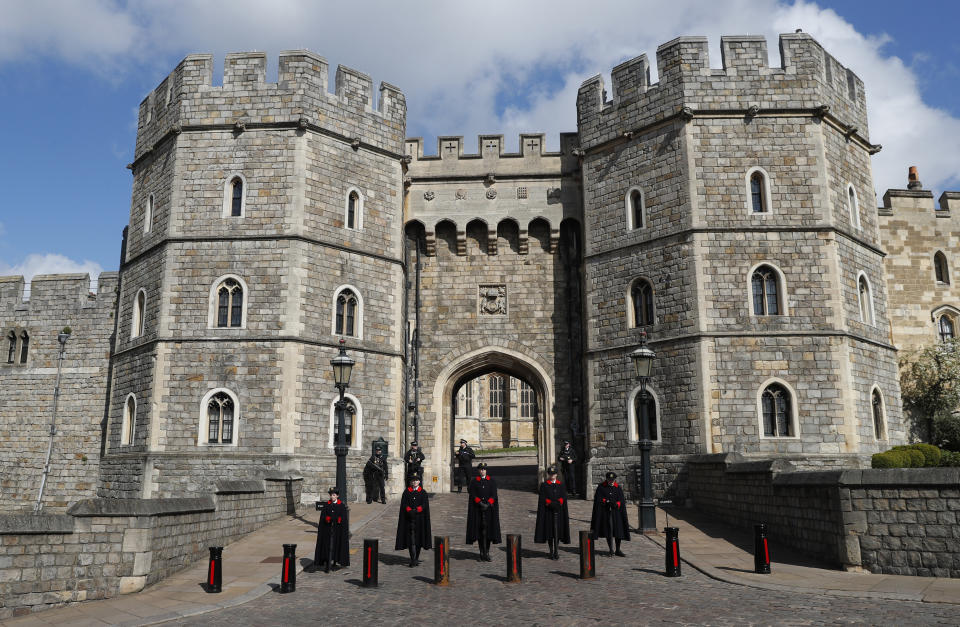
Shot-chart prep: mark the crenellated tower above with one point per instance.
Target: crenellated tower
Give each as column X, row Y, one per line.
column 257, row 207
column 728, row 213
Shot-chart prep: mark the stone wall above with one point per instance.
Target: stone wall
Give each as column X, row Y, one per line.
column 27, row 388
column 105, row 547
column 895, row 521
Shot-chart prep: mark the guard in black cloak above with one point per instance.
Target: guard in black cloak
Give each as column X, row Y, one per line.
column 333, row 534
column 568, row 465
column 553, row 519
column 413, row 528
column 609, row 518
column 375, row 476
column 414, row 460
column 464, row 456
column 483, row 512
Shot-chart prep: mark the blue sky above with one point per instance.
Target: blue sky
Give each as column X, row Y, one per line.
column 73, row 73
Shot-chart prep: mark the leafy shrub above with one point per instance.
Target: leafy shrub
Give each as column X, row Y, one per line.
column 915, row 457
column 891, row 459
column 931, row 454
column 949, row 458
column 946, row 431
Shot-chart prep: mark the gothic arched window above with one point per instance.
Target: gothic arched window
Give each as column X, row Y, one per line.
column 229, row 304
column 853, row 206
column 348, row 423
column 641, row 298
column 347, row 306
column 129, row 420
column 24, row 346
column 12, row 349
column 876, row 402
column 353, row 205
column 636, row 209
column 236, row 197
column 765, row 288
column 645, row 403
column 940, row 268
column 758, row 201
column 139, row 306
column 220, row 412
column 148, row 215
column 777, row 411
column 865, row 300
column 945, row 328
column 528, row 400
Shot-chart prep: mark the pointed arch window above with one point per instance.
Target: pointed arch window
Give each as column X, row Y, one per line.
column 236, row 197
column 853, row 207
column 641, row 298
column 129, row 420
column 945, row 328
column 866, row 300
column 876, row 403
column 139, row 307
column 765, row 288
column 940, row 268
column 229, row 304
column 347, row 306
column 776, row 405
column 758, row 202
column 220, row 412
column 636, row 209
column 498, row 387
column 12, row 347
column 24, row 346
column 348, row 423
column 148, row 215
column 353, row 209
column 645, row 404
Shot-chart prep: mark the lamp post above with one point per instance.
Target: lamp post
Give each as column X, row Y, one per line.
column 62, row 337
column 643, row 359
column 342, row 369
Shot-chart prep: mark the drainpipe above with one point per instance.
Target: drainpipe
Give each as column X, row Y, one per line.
column 62, row 338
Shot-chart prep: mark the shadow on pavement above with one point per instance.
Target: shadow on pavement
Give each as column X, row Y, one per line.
column 563, row 574
column 743, row 539
column 424, row 579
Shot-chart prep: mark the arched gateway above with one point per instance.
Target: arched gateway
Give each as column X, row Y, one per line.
column 472, row 364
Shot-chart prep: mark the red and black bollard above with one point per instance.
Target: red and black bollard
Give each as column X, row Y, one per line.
column 514, row 559
column 215, row 571
column 288, row 574
column 587, row 563
column 441, row 560
column 672, row 558
column 761, row 550
column 371, row 557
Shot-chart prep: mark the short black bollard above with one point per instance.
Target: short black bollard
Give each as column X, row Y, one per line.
column 587, row 563
column 441, row 560
column 215, row 571
column 288, row 574
column 672, row 558
column 514, row 559
column 371, row 557
column 761, row 550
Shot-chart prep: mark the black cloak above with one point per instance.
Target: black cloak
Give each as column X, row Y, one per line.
column 609, row 505
column 483, row 502
column 553, row 502
column 415, row 513
column 333, row 533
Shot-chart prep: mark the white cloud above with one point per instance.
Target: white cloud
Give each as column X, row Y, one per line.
column 50, row 264
column 454, row 60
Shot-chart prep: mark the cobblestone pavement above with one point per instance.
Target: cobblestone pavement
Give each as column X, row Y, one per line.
column 630, row 590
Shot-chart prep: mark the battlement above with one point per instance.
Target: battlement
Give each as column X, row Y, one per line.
column 901, row 202
column 57, row 291
column 491, row 158
column 300, row 97
column 808, row 78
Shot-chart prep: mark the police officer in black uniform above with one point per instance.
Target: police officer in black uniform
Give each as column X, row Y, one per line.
column 414, row 460
column 464, row 456
column 568, row 465
column 375, row 475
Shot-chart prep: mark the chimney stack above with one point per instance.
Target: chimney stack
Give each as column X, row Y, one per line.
column 913, row 179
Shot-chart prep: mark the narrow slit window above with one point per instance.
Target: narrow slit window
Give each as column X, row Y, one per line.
column 353, row 203
column 877, row 403
column 940, row 268
column 350, row 412
column 12, row 350
column 945, row 328
column 645, row 404
column 636, row 207
column 24, row 346
column 236, row 201
column 758, row 201
column 866, row 301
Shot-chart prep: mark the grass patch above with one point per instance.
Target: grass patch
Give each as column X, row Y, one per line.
column 515, row 449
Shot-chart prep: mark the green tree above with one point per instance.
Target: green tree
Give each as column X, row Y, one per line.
column 930, row 386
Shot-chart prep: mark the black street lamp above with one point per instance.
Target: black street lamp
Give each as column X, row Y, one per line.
column 342, row 369
column 643, row 364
